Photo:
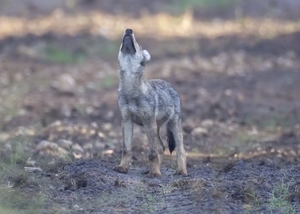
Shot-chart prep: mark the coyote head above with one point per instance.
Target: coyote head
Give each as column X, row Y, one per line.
column 132, row 58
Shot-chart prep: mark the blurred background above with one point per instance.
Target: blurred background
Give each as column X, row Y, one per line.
column 235, row 64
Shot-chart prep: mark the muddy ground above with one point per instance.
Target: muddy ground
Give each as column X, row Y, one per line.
column 238, row 77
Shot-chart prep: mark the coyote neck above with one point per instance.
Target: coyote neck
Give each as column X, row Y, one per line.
column 132, row 84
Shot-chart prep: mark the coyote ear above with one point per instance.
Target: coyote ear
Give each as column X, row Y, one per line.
column 146, row 56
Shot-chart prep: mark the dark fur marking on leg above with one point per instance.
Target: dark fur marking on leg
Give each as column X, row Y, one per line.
column 171, row 141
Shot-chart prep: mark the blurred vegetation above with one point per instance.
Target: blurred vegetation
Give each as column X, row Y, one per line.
column 182, row 6
column 279, row 198
column 60, row 55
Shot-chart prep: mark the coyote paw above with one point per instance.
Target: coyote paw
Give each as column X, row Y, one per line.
column 181, row 172
column 121, row 169
column 154, row 174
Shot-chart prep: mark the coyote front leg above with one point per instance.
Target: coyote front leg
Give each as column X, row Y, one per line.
column 154, row 153
column 127, row 130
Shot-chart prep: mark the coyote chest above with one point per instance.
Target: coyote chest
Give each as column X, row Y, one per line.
column 152, row 104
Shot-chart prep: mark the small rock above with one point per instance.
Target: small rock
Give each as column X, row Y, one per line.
column 109, row 115
column 207, row 123
column 66, row 110
column 76, row 207
column 77, row 148
column 87, row 146
column 108, row 152
column 4, row 136
column 107, row 126
column 95, row 125
column 90, row 110
column 199, row 131
column 45, row 145
column 30, row 162
column 77, row 156
column 188, row 129
column 101, row 134
column 65, row 83
column 51, row 147
column 92, row 132
column 32, row 52
column 119, row 183
column 7, row 146
column 66, row 144
column 113, row 134
column 55, row 123
column 100, row 145
column 32, row 169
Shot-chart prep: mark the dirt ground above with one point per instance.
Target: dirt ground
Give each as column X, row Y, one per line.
column 236, row 70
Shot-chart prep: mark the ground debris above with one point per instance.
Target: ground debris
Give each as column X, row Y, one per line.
column 32, row 169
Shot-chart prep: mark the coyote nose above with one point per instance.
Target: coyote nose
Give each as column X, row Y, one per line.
column 128, row 31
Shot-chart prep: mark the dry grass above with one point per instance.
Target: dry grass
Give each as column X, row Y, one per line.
column 162, row 25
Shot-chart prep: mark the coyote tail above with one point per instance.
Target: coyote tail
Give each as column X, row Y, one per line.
column 171, row 141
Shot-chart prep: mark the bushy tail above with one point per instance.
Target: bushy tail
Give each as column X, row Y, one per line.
column 171, row 141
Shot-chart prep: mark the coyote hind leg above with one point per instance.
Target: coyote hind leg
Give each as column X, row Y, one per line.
column 162, row 149
column 175, row 127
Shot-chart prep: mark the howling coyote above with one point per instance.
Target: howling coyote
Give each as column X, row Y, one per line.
column 148, row 103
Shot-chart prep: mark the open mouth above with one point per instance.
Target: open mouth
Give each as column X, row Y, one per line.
column 128, row 45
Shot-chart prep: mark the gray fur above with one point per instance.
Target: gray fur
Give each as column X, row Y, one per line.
column 149, row 103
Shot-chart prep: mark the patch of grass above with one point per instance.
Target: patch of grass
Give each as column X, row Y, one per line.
column 250, row 199
column 279, row 199
column 54, row 168
column 245, row 138
column 16, row 201
column 188, row 4
column 16, row 184
column 58, row 54
column 222, row 151
column 109, row 81
column 250, row 196
column 10, row 108
column 270, row 123
column 15, row 187
column 298, row 118
column 167, row 189
column 6, row 210
column 196, row 185
column 148, row 201
column 16, row 154
column 245, row 141
column 109, row 49
column 149, row 204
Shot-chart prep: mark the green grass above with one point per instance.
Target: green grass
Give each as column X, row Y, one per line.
column 14, row 180
column 16, row 154
column 10, row 108
column 109, row 49
column 182, row 6
column 279, row 199
column 57, row 54
column 109, row 81
column 16, row 201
